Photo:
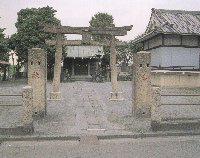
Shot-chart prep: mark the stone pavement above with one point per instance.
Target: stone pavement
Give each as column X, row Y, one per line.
column 169, row 147
column 86, row 110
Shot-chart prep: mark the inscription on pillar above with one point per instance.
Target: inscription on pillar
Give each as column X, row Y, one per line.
column 142, row 84
column 37, row 79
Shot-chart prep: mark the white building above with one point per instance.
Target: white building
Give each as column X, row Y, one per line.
column 173, row 38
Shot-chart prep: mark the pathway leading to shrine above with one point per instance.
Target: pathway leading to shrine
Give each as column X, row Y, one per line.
column 86, row 110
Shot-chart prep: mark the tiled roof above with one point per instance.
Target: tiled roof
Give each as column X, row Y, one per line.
column 173, row 22
column 83, row 51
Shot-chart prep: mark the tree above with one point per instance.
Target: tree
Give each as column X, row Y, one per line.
column 125, row 53
column 102, row 20
column 30, row 34
column 4, row 55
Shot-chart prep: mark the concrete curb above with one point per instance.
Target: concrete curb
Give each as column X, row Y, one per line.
column 100, row 137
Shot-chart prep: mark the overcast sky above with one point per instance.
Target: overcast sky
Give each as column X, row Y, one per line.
column 79, row 12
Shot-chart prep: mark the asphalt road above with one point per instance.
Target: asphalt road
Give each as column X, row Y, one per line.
column 168, row 147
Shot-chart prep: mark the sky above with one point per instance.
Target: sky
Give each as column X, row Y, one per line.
column 79, row 12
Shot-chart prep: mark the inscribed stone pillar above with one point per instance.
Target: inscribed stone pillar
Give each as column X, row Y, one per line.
column 114, row 94
column 56, row 94
column 27, row 97
column 142, row 84
column 37, row 78
column 155, row 109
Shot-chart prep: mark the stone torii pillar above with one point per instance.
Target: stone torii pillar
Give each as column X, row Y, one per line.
column 114, row 94
column 59, row 30
column 112, row 32
column 56, row 94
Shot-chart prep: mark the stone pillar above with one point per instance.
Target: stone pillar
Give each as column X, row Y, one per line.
column 142, row 91
column 73, row 67
column 114, row 94
column 88, row 68
column 155, row 109
column 37, row 78
column 56, row 94
column 27, row 97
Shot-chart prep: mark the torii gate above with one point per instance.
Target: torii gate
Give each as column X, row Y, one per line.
column 86, row 33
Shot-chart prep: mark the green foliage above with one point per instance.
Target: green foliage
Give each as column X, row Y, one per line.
column 101, row 20
column 4, row 52
column 30, row 33
column 125, row 53
column 4, row 56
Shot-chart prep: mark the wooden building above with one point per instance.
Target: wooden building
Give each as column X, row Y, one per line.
column 81, row 61
column 173, row 38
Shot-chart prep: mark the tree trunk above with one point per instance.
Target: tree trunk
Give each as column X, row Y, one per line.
column 4, row 73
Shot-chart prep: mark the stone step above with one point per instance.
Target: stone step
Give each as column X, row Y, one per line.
column 18, row 130
column 177, row 124
column 81, row 78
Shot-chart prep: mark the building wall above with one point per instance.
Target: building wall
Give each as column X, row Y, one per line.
column 172, row 40
column 175, row 56
column 156, row 41
column 190, row 41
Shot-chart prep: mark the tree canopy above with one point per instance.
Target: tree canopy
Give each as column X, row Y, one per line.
column 30, row 34
column 101, row 20
column 4, row 55
column 4, row 52
column 125, row 53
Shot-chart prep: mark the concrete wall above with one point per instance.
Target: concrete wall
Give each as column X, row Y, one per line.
column 175, row 78
column 175, row 56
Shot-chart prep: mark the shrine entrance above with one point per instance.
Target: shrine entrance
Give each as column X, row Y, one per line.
column 81, row 67
column 87, row 33
column 81, row 61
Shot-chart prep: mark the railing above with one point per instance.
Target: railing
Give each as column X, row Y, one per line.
column 175, row 68
column 180, row 95
column 11, row 100
column 156, row 104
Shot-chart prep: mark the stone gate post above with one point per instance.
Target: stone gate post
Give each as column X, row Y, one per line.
column 142, row 90
column 155, row 108
column 37, row 78
column 27, row 97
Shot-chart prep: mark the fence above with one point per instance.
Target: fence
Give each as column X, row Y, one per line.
column 156, row 118
column 11, row 100
column 25, row 100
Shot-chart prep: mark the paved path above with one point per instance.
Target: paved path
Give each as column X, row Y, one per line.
column 86, row 109
column 169, row 147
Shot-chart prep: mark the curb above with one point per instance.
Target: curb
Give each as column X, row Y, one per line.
column 100, row 137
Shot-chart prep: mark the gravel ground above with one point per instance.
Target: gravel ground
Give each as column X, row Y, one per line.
column 86, row 109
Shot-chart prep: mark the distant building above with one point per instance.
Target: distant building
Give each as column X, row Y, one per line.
column 173, row 38
column 81, row 61
column 13, row 58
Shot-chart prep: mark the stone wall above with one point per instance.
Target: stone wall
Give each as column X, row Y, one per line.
column 165, row 78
